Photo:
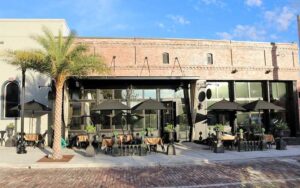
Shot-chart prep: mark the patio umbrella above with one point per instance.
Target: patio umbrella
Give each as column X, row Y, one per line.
column 110, row 105
column 226, row 106
column 259, row 105
column 33, row 108
column 149, row 104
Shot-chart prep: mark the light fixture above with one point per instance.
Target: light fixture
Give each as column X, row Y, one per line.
column 234, row 71
column 268, row 71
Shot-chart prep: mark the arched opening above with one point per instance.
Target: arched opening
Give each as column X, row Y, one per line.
column 11, row 99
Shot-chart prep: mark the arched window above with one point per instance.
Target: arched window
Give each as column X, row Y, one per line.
column 210, row 59
column 11, row 99
column 165, row 58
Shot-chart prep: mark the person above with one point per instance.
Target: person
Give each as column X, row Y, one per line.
column 137, row 139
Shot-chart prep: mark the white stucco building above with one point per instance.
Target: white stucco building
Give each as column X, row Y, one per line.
column 16, row 34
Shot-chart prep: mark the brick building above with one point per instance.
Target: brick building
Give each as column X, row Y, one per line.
column 176, row 71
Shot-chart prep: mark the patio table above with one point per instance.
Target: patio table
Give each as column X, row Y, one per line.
column 228, row 137
column 120, row 137
column 82, row 138
column 31, row 137
column 153, row 141
column 107, row 142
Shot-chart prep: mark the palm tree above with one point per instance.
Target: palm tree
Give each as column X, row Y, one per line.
column 24, row 60
column 62, row 59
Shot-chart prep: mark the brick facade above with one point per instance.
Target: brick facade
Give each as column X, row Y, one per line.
column 252, row 60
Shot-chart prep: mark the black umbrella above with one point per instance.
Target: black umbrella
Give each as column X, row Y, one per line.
column 110, row 105
column 259, row 105
column 262, row 105
column 149, row 104
column 225, row 105
column 33, row 108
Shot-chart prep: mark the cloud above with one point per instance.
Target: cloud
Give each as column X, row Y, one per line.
column 280, row 18
column 244, row 32
column 253, row 3
column 161, row 25
column 178, row 19
column 212, row 2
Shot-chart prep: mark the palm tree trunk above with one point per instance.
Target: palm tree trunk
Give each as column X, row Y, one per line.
column 57, row 119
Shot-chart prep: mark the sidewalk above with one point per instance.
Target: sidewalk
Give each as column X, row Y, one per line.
column 187, row 153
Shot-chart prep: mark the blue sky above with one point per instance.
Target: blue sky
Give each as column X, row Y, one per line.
column 251, row 20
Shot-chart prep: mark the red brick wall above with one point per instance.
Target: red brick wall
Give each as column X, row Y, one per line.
column 250, row 59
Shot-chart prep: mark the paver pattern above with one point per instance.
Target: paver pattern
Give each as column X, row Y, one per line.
column 267, row 172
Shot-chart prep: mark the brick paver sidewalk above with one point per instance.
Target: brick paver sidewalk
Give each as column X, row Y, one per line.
column 282, row 172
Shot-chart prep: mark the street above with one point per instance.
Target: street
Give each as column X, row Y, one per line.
column 265, row 172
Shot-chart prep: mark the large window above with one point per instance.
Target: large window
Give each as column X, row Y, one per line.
column 12, row 99
column 219, row 91
column 246, row 92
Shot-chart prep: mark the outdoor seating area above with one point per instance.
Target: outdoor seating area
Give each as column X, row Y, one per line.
column 119, row 144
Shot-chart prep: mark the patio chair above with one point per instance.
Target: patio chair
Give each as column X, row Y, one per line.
column 2, row 133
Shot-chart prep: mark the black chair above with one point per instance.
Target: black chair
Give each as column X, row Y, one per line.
column 2, row 133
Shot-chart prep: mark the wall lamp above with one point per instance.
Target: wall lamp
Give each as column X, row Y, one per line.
column 234, row 71
column 268, row 71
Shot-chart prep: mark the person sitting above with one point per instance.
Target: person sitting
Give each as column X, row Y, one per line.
column 137, row 139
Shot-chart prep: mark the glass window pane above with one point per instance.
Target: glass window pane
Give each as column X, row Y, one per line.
column 151, row 118
column 137, row 94
column 120, row 120
column 242, row 119
column 150, row 94
column 274, row 93
column 137, row 119
column 255, row 90
column 241, row 90
column 90, row 94
column 281, row 90
column 167, row 93
column 105, row 119
column 11, row 99
column 105, row 94
column 223, row 91
column 179, row 94
column 120, row 94
column 165, row 58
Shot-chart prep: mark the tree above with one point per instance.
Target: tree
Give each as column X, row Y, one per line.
column 24, row 60
column 62, row 59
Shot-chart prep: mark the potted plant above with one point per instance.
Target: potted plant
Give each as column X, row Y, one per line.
column 169, row 128
column 91, row 130
column 281, row 129
column 219, row 148
column 10, row 128
column 219, row 128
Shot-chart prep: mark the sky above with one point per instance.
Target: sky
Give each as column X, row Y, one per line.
column 246, row 20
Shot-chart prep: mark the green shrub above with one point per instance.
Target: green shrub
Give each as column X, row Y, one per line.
column 281, row 125
column 219, row 127
column 90, row 129
column 10, row 126
column 169, row 128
